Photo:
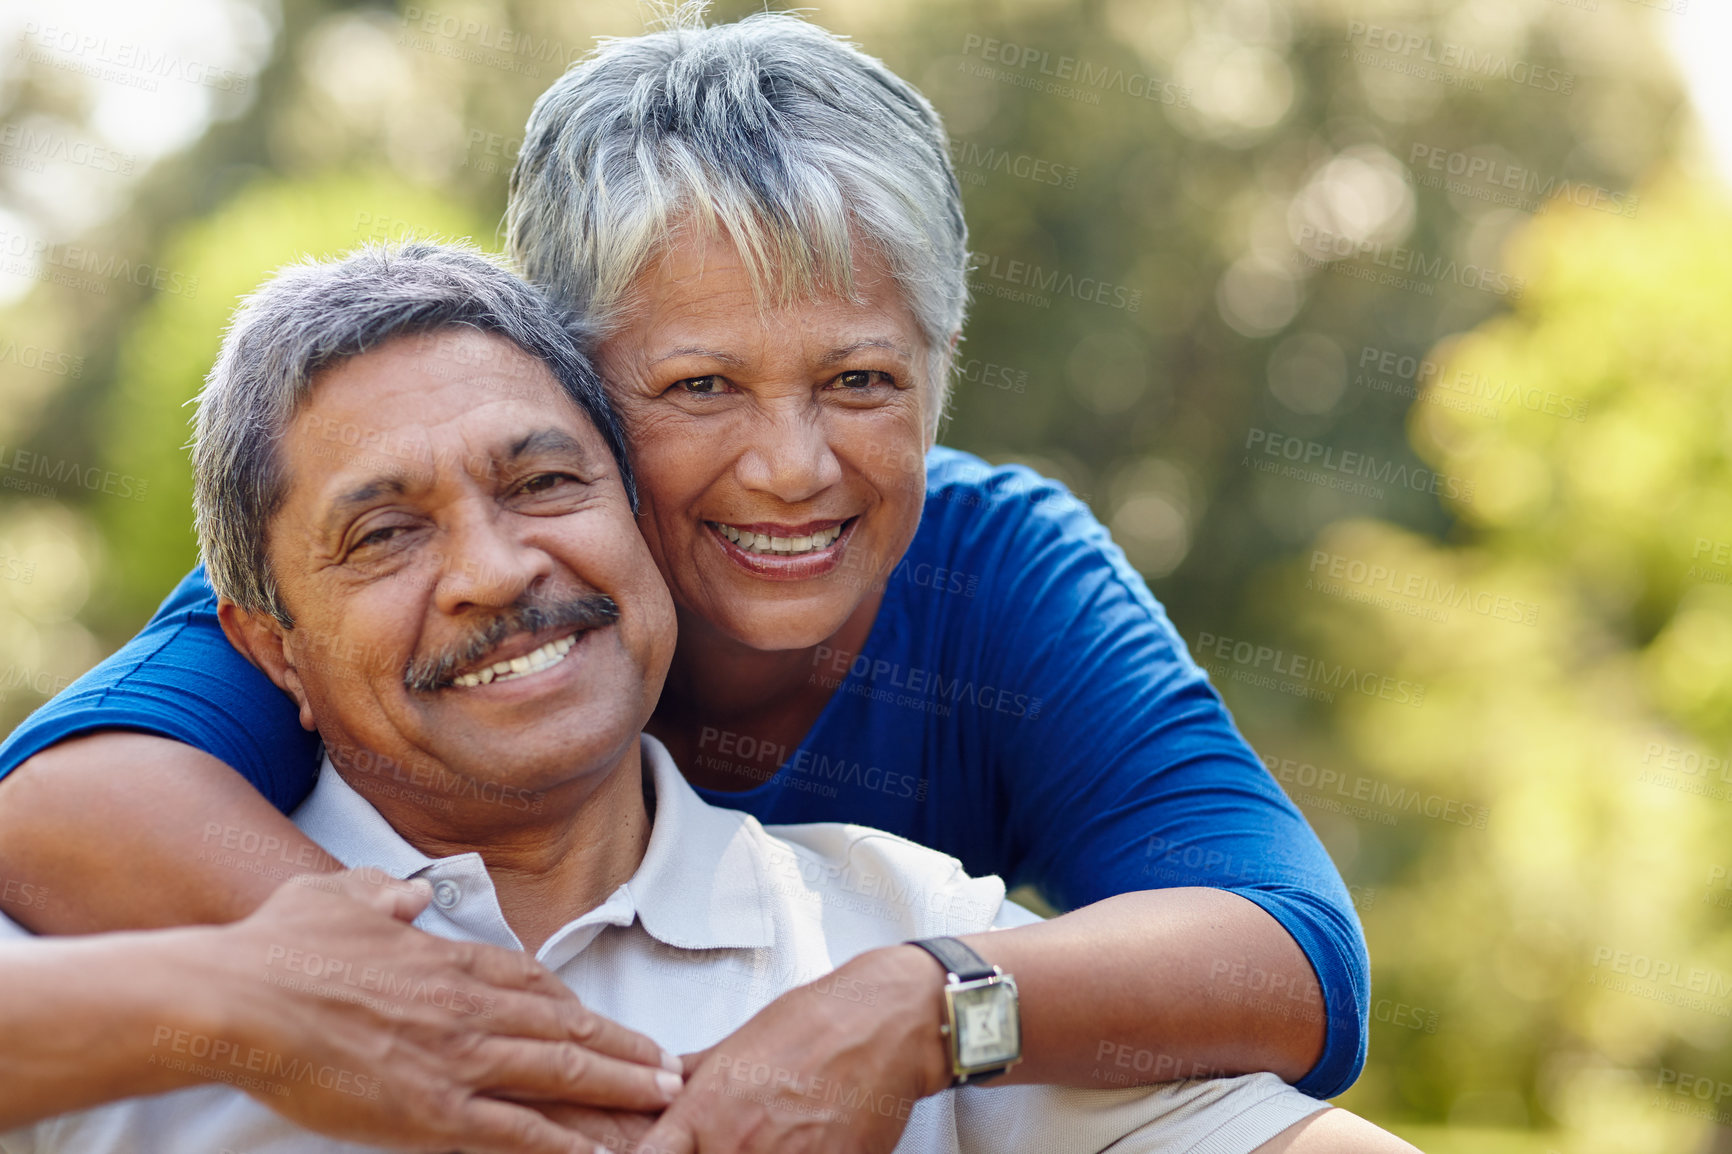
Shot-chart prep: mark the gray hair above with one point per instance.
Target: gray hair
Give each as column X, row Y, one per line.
column 782, row 135
column 309, row 317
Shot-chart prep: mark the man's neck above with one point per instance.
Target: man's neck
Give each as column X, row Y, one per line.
column 552, row 856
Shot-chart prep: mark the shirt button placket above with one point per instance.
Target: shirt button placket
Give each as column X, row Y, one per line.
column 446, row 894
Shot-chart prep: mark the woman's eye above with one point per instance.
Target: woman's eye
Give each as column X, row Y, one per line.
column 861, row 379
column 701, row 386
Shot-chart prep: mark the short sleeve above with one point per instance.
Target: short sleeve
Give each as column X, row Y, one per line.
column 1128, row 773
column 181, row 679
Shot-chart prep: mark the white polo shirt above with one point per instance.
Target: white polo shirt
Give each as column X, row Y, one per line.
column 721, row 917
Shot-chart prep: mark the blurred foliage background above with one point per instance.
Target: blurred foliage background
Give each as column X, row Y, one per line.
column 1389, row 336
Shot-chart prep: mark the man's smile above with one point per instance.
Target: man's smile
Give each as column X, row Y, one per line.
column 511, row 668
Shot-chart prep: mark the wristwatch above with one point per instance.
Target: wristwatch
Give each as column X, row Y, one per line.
column 983, row 1024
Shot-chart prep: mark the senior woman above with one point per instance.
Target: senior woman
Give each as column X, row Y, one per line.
column 760, row 227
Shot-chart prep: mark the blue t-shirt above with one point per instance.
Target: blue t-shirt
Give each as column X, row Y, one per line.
column 1021, row 703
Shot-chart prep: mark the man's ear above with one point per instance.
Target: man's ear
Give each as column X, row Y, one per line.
column 259, row 637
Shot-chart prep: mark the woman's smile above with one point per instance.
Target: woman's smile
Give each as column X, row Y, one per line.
column 784, row 553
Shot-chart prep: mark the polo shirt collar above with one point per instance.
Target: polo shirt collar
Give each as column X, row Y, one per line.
column 699, row 886
column 701, row 882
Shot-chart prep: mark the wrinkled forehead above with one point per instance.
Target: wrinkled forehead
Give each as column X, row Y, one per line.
column 420, row 407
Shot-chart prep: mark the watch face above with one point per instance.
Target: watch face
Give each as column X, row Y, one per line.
column 986, row 1025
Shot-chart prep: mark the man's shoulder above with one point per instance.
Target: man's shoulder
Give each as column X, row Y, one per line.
column 879, row 880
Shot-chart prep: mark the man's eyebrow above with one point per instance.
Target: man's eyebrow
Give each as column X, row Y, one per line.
column 837, row 355
column 556, row 441
column 363, row 494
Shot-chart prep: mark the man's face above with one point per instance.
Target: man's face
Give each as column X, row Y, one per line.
column 450, row 511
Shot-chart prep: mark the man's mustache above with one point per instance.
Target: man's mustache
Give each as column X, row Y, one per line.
column 436, row 670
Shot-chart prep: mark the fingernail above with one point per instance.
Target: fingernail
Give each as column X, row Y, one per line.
column 670, row 1084
column 672, row 1062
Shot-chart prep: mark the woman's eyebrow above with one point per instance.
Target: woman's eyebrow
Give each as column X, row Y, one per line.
column 837, row 355
column 699, row 351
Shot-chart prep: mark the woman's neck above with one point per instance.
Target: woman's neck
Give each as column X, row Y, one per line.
column 730, row 713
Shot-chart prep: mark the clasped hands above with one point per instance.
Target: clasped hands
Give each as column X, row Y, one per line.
column 835, row 1065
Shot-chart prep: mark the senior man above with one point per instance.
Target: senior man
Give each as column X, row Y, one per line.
column 415, row 505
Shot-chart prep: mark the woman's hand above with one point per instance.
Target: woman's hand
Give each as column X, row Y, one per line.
column 355, row 1024
column 833, row 1066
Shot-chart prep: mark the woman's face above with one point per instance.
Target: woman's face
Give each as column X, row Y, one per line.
column 780, row 452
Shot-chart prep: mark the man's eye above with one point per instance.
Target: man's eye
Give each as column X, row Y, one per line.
column 859, row 380
column 701, row 386
column 543, row 482
column 379, row 537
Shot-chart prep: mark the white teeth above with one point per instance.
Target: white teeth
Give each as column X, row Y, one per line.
column 759, row 543
column 550, row 654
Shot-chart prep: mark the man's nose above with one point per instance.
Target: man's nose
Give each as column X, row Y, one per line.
column 789, row 456
column 485, row 564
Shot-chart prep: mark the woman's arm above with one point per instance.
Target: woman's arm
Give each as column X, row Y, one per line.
column 133, row 798
column 1157, row 986
column 1145, row 987
column 120, row 830
column 91, row 1020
